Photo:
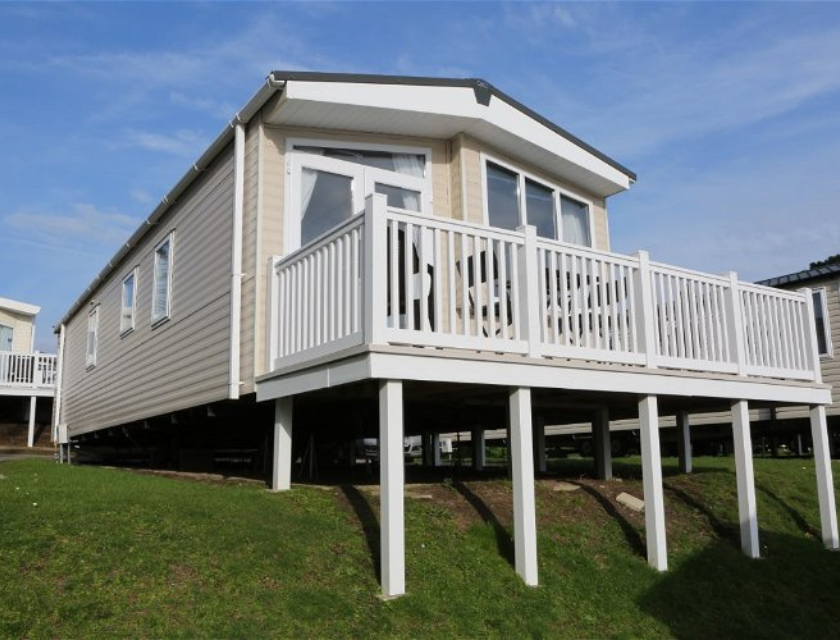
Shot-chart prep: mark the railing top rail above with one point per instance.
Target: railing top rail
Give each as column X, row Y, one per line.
column 320, row 241
column 690, row 273
column 587, row 252
column 31, row 354
column 772, row 291
column 450, row 224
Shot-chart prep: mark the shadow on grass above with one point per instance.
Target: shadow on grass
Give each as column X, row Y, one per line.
column 369, row 523
column 794, row 515
column 504, row 543
column 722, row 529
column 631, row 534
column 720, row 593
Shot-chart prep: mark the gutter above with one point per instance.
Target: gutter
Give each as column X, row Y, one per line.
column 236, row 260
column 58, row 376
column 247, row 112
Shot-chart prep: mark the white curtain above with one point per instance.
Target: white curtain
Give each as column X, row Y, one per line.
column 308, row 178
column 575, row 222
column 411, row 165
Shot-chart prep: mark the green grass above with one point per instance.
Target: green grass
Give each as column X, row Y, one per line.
column 91, row 552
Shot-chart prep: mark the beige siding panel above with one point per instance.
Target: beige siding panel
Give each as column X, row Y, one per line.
column 472, row 150
column 182, row 362
column 22, row 328
column 250, row 237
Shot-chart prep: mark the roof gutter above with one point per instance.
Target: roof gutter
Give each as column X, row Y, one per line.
column 224, row 138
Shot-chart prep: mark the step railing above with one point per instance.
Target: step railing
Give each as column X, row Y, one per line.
column 36, row 370
column 395, row 277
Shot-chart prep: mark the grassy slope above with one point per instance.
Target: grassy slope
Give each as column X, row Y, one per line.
column 108, row 552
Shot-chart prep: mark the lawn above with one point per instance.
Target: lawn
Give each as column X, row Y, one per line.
column 92, row 552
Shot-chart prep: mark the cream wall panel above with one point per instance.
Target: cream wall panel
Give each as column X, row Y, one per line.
column 22, row 328
column 182, row 362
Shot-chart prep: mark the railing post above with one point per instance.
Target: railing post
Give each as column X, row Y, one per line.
column 529, row 309
column 375, row 268
column 273, row 313
column 735, row 324
column 811, row 345
column 645, row 312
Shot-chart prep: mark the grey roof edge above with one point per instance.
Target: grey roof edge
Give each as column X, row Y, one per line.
column 803, row 276
column 477, row 84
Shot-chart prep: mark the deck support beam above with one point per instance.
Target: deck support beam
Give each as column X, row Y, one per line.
column 602, row 444
column 30, row 416
column 657, row 552
column 391, row 488
column 746, row 481
column 522, row 468
column 825, row 480
column 478, row 456
column 435, row 440
column 281, row 476
column 684, row 442
column 539, row 444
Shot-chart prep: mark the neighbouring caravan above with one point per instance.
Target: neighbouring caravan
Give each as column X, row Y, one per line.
column 361, row 256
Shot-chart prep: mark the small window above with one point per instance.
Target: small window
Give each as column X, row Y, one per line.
column 162, row 290
column 821, row 322
column 92, row 337
column 129, row 302
column 575, row 221
column 502, row 197
column 7, row 337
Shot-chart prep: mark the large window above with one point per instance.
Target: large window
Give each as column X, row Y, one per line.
column 515, row 198
column 330, row 180
column 92, row 337
column 129, row 302
column 821, row 321
column 162, row 290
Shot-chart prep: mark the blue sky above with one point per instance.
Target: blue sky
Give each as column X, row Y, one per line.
column 729, row 114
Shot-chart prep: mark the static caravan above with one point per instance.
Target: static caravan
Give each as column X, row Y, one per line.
column 413, row 256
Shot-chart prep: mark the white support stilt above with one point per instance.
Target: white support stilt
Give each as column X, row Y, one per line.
column 657, row 551
column 478, row 448
column 281, row 477
column 602, row 444
column 30, row 438
column 522, row 465
column 435, row 449
column 539, row 444
column 825, row 480
column 744, row 474
column 684, row 442
column 391, row 487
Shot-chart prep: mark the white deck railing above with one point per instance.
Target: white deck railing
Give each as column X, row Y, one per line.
column 27, row 370
column 393, row 277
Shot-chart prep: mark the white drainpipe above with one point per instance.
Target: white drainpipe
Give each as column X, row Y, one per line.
column 59, row 367
column 236, row 262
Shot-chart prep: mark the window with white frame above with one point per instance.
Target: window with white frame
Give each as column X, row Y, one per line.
column 330, row 180
column 129, row 302
column 821, row 322
column 162, row 289
column 514, row 198
column 92, row 337
column 7, row 337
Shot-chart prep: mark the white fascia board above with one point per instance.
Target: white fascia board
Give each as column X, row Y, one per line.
column 507, row 117
column 20, row 307
column 457, row 103
column 450, row 101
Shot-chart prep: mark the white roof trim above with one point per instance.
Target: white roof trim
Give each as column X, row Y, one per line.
column 19, row 307
column 457, row 105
